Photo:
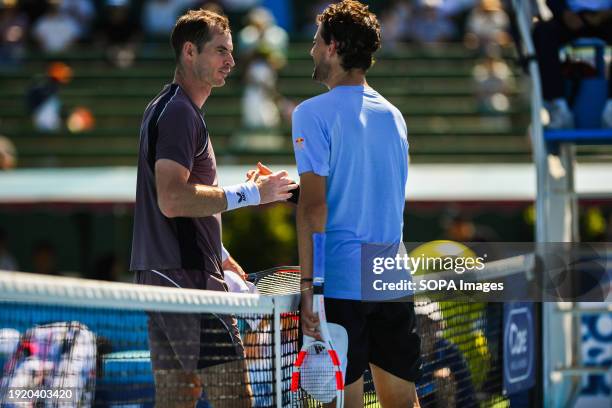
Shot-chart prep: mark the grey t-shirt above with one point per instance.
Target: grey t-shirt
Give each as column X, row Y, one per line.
column 173, row 128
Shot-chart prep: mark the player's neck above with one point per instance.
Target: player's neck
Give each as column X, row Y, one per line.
column 197, row 92
column 354, row 77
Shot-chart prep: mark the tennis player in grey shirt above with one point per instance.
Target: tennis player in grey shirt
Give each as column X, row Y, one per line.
column 177, row 221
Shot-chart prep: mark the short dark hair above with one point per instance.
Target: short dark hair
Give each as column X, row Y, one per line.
column 196, row 26
column 355, row 29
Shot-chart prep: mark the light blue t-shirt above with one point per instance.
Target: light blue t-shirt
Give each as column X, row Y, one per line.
column 358, row 140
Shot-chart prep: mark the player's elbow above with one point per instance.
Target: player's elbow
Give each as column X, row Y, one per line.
column 168, row 210
column 168, row 204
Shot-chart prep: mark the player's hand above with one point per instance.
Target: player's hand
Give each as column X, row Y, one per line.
column 308, row 319
column 261, row 170
column 274, row 187
column 231, row 265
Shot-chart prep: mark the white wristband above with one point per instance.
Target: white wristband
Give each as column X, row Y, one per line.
column 241, row 195
column 224, row 253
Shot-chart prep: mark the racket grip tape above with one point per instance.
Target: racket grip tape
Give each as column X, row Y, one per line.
column 318, row 258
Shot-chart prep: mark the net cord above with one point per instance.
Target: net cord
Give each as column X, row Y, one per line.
column 54, row 290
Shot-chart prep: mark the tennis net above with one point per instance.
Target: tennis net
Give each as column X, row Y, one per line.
column 91, row 338
column 88, row 341
column 461, row 342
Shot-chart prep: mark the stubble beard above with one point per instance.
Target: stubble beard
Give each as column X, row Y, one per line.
column 320, row 72
column 207, row 75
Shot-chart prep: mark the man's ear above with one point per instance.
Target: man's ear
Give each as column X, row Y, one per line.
column 332, row 48
column 189, row 49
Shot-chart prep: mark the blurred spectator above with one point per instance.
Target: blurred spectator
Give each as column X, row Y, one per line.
column 44, row 258
column 9, row 341
column 8, row 154
column 458, row 11
column 430, row 26
column 445, row 379
column 43, row 100
column 159, row 16
column 593, row 225
column 395, row 23
column 120, row 33
column 305, row 14
column 7, row 261
column 13, row 33
column 239, row 5
column 460, row 228
column 493, row 82
column 455, row 7
column 572, row 19
column 80, row 120
column 263, row 47
column 56, row 30
column 259, row 109
column 262, row 33
column 83, row 12
column 209, row 5
column 487, row 27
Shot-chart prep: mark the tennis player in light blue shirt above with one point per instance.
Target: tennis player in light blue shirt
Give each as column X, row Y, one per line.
column 356, row 139
column 351, row 150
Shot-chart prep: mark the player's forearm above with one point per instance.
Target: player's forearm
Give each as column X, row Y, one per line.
column 193, row 201
column 310, row 219
column 304, row 248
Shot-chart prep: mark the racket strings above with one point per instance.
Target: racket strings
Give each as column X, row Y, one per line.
column 279, row 283
column 318, row 373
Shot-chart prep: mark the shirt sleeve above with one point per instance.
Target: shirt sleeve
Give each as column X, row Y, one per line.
column 176, row 137
column 311, row 143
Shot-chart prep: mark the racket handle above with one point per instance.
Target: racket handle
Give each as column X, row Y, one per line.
column 318, row 258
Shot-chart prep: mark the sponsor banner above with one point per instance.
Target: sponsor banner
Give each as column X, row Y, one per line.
column 519, row 347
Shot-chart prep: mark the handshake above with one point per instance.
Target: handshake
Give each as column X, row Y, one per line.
column 275, row 186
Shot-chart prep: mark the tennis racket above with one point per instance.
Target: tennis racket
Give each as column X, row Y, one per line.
column 318, row 368
column 281, row 280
